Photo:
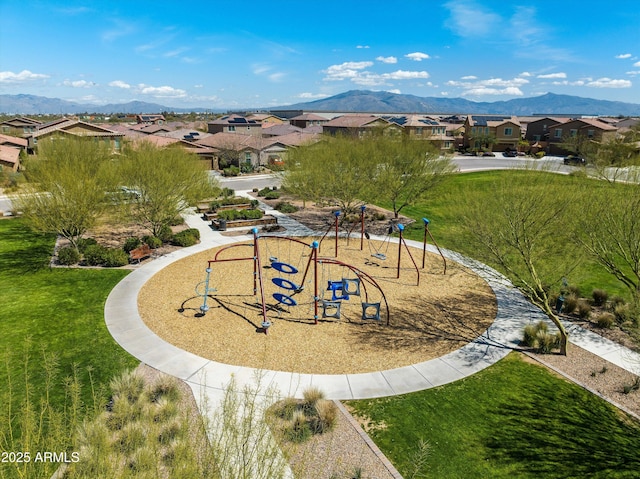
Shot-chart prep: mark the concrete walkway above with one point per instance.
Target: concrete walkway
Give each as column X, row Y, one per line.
column 204, row 375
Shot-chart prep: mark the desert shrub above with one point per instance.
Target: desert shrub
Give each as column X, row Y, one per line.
column 84, row 243
column 298, row 429
column 635, row 386
column 285, row 207
column 231, row 215
column 247, row 168
column 68, row 256
column 186, row 237
column 231, row 171
column 605, row 320
column 583, row 309
column 131, row 244
column 540, row 154
column 600, row 297
column 379, row 216
column 176, row 221
column 570, row 304
column 227, row 192
column 285, row 408
column 152, row 241
column 574, row 290
column 272, row 195
column 98, row 255
column 264, row 191
column 311, row 396
column 255, row 190
column 326, row 416
column 165, row 234
column 537, row 336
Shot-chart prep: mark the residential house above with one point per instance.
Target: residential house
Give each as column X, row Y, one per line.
column 150, row 119
column 14, row 141
column 445, row 136
column 308, row 119
column 279, row 130
column 582, row 129
column 359, row 126
column 20, row 125
column 73, row 127
column 235, row 124
column 266, row 119
column 9, row 158
column 492, row 132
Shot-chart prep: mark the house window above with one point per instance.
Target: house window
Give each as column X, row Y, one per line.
column 247, row 157
column 446, row 145
column 536, row 137
column 590, row 133
column 508, row 131
column 232, row 128
column 573, row 133
column 486, row 130
column 473, row 130
column 419, row 131
column 558, row 133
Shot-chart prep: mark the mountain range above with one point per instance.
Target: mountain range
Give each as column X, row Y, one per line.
column 352, row 101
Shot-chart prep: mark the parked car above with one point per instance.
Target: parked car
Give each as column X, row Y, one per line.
column 574, row 160
column 510, row 153
column 488, row 153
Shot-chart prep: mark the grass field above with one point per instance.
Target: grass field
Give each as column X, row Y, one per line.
column 443, row 205
column 53, row 316
column 514, row 419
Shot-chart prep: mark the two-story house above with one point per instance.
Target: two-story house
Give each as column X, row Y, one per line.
column 235, row 124
column 359, row 126
column 492, row 132
column 74, row 127
column 578, row 129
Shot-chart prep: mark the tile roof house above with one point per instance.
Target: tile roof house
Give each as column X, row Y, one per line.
column 235, row 124
column 493, row 132
column 66, row 126
column 278, row 130
column 9, row 158
column 308, row 119
column 589, row 129
column 150, row 119
column 15, row 141
column 19, row 125
column 359, row 125
column 445, row 136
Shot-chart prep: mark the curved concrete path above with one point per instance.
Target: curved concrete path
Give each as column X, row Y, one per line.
column 211, row 377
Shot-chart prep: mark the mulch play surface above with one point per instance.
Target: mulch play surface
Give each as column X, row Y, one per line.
column 441, row 314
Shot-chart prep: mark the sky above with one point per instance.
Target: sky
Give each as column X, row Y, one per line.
column 258, row 53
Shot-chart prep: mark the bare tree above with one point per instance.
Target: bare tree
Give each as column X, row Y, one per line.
column 521, row 227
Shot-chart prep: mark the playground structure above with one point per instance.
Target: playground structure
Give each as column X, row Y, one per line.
column 316, row 282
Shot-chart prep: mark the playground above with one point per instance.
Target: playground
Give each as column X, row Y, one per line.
column 300, row 307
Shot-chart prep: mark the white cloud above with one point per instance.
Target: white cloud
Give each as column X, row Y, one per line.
column 633, row 73
column 492, row 86
column 363, row 46
column 417, row 56
column 79, row 83
column 525, row 74
column 307, row 95
column 162, row 91
column 120, row 84
column 553, row 75
column 22, row 77
column 404, row 75
column 387, row 59
column 569, row 83
column 471, row 20
column 609, row 83
column 276, row 77
column 469, row 77
column 346, row 70
column 636, row 64
column 623, row 56
column 395, row 90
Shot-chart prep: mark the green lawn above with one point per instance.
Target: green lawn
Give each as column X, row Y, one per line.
column 443, row 205
column 513, row 419
column 55, row 313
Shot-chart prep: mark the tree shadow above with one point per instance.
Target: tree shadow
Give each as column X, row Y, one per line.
column 425, row 322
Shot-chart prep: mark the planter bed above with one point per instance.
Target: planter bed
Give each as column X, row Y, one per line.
column 265, row 220
column 210, row 215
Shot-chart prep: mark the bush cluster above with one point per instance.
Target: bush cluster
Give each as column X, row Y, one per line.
column 303, row 418
column 537, row 336
column 231, row 215
column 152, row 241
column 285, row 207
column 68, row 256
column 131, row 243
column 231, row 171
column 98, row 255
column 187, row 237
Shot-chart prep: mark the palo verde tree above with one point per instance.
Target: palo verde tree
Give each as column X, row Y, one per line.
column 520, row 226
column 68, row 184
column 405, row 170
column 609, row 230
column 168, row 181
column 338, row 169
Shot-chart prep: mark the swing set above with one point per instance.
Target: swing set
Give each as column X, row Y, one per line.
column 358, row 284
